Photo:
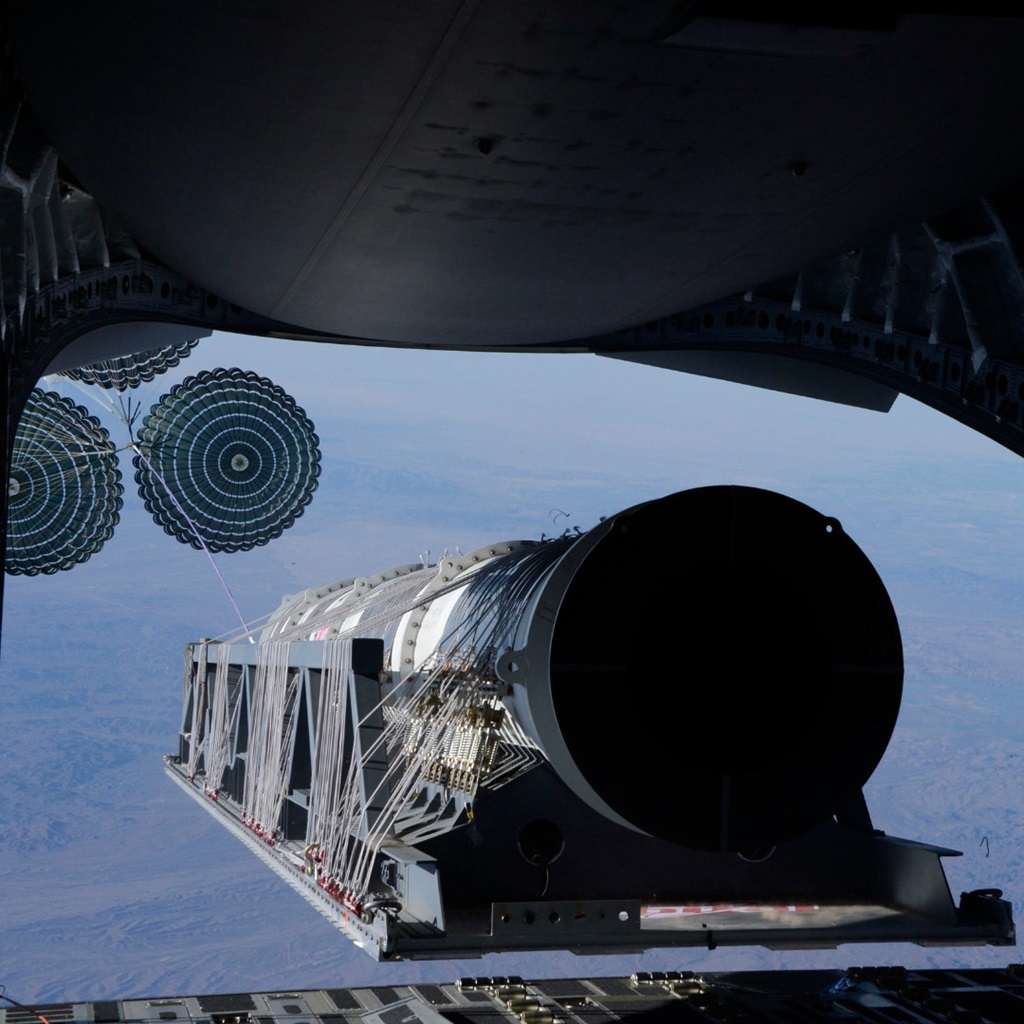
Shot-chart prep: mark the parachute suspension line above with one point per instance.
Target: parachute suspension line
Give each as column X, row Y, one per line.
column 137, row 448
column 443, row 729
column 388, row 601
column 197, row 739
column 455, row 734
column 270, row 729
column 217, row 752
column 403, row 761
column 405, row 775
column 63, row 487
column 326, row 830
column 82, row 438
column 394, row 788
column 129, row 416
column 61, row 432
column 396, row 760
column 91, row 393
column 347, row 824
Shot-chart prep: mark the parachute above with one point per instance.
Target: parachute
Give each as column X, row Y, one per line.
column 229, row 455
column 64, row 492
column 126, row 372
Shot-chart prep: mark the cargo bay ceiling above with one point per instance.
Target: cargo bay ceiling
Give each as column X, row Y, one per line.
column 825, row 206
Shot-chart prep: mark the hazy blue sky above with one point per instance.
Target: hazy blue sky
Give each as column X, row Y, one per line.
column 113, row 883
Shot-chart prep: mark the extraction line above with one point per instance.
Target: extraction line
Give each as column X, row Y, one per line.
column 135, row 447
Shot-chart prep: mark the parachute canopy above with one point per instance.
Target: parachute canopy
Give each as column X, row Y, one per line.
column 64, row 490
column 127, row 372
column 239, row 456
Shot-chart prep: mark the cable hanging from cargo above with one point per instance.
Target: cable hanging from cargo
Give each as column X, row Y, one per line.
column 400, row 758
column 443, row 728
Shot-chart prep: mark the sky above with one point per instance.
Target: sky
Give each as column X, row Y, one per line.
column 113, row 883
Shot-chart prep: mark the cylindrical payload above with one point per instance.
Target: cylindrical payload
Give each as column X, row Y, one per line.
column 721, row 668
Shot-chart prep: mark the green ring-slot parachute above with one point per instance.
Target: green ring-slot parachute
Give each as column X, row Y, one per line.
column 239, row 457
column 64, row 492
column 126, row 372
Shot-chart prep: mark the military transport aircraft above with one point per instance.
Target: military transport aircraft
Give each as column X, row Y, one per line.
column 826, row 203
column 820, row 202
